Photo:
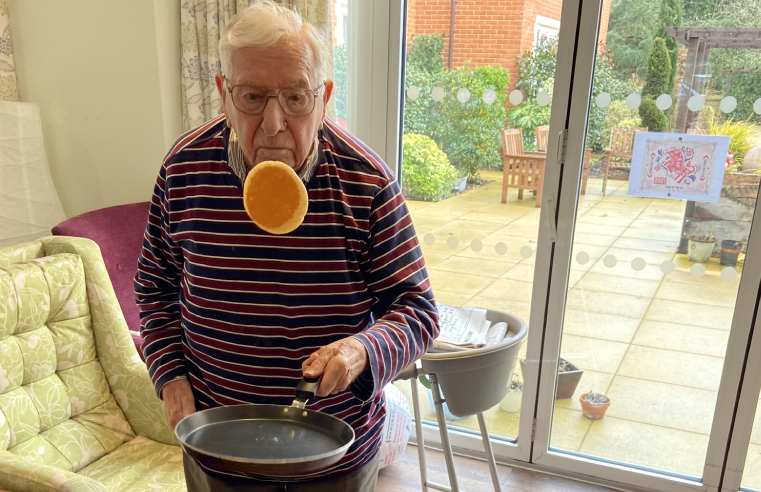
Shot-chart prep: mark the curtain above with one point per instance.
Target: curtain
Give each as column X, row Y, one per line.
column 8, row 86
column 201, row 24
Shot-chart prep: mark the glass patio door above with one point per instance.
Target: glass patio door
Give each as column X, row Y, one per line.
column 480, row 146
column 651, row 298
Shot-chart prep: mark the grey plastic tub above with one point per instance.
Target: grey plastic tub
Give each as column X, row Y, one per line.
column 474, row 381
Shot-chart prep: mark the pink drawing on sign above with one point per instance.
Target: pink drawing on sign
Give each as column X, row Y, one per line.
column 676, row 165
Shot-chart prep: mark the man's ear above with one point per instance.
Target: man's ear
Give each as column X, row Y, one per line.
column 326, row 97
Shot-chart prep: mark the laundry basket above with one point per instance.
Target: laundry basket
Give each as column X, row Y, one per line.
column 474, row 381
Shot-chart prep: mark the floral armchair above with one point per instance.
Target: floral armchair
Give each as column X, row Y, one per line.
column 77, row 409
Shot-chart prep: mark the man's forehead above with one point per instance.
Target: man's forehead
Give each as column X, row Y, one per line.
column 286, row 64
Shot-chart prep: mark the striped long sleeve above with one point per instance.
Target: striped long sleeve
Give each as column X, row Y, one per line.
column 406, row 318
column 236, row 310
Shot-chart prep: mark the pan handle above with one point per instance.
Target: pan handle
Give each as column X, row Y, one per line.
column 305, row 391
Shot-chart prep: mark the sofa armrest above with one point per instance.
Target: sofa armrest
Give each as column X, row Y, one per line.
column 17, row 473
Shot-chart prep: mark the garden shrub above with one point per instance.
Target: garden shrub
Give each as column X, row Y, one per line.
column 341, row 81
column 618, row 115
column 652, row 117
column 658, row 71
column 467, row 132
column 426, row 171
column 739, row 134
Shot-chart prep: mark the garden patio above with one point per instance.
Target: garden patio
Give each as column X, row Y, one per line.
column 653, row 342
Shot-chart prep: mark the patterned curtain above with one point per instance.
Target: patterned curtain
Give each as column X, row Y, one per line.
column 8, row 86
column 202, row 21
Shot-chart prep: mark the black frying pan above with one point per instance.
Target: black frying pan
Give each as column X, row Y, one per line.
column 267, row 441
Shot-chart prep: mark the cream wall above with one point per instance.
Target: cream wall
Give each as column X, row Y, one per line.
column 105, row 74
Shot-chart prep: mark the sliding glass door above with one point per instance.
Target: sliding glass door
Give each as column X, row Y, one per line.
column 591, row 167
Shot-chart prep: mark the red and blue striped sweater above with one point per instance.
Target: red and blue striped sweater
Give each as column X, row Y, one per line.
column 236, row 310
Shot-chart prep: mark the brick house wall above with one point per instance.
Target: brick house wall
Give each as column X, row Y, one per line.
column 487, row 32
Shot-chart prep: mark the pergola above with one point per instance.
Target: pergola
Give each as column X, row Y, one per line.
column 699, row 41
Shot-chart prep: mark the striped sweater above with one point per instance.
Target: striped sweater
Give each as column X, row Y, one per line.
column 236, row 310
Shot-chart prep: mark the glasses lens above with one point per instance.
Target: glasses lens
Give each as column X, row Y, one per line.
column 297, row 102
column 249, row 99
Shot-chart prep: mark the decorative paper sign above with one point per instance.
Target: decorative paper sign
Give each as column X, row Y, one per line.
column 679, row 166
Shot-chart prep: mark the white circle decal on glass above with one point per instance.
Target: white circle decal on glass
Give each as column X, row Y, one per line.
column 463, row 94
column 697, row 270
column 413, row 92
column 695, row 103
column 729, row 273
column 638, row 264
column 429, row 239
column 476, row 245
column 543, row 98
column 757, row 106
column 452, row 242
column 489, row 96
column 582, row 258
column 609, row 261
column 633, row 100
column 668, row 267
column 664, row 102
column 500, row 248
column 728, row 104
column 516, row 97
column 437, row 94
column 526, row 251
column 603, row 100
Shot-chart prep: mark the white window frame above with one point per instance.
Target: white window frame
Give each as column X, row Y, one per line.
column 545, row 25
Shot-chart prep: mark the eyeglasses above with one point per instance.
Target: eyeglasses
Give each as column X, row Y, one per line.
column 252, row 100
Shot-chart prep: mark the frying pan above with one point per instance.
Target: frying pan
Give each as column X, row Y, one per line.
column 266, row 441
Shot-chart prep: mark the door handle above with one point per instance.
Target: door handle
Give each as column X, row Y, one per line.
column 551, row 219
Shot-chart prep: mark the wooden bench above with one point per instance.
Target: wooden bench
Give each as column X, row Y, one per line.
column 621, row 146
column 522, row 170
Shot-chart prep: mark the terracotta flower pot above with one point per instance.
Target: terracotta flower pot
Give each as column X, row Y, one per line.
column 593, row 411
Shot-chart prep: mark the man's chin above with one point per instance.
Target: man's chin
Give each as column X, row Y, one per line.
column 284, row 156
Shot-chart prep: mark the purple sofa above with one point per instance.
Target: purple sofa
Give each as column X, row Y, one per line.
column 119, row 233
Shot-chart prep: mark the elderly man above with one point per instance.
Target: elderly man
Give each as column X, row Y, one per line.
column 232, row 314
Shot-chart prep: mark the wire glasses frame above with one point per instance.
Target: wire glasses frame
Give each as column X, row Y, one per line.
column 294, row 102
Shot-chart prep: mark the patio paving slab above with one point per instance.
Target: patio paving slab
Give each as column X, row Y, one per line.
column 619, row 285
column 433, row 259
column 644, row 233
column 608, row 303
column 714, row 295
column 569, row 428
column 609, row 230
column 593, row 354
column 667, row 405
column 451, row 298
column 752, row 473
column 690, row 313
column 459, row 283
column 516, row 308
column 668, row 366
column 488, row 252
column 594, row 239
column 484, row 268
column 647, row 445
column 624, row 269
column 603, row 219
column 509, row 289
column 500, row 219
column 651, row 257
column 474, row 225
column 603, row 209
column 646, row 244
column 520, row 271
column 598, row 325
column 682, row 338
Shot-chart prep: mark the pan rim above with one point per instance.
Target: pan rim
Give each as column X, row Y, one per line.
column 269, row 461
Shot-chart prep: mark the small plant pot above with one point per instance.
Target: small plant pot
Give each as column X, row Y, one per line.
column 447, row 414
column 460, row 184
column 511, row 403
column 593, row 411
column 568, row 380
column 700, row 251
column 729, row 253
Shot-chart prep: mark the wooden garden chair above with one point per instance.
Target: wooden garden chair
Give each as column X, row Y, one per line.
column 621, row 146
column 522, row 170
column 542, row 136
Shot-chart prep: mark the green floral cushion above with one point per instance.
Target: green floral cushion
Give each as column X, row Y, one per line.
column 74, row 394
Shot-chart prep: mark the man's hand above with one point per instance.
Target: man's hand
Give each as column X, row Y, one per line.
column 178, row 401
column 339, row 364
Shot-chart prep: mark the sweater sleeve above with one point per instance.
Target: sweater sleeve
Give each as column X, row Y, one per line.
column 404, row 310
column 157, row 292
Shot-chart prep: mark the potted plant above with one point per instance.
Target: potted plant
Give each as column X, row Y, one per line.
column 594, row 405
column 700, row 248
column 730, row 250
column 568, row 378
column 512, row 401
column 461, row 182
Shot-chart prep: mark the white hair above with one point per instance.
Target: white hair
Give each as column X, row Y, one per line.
column 263, row 24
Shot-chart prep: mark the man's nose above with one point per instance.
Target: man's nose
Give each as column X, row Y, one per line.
column 273, row 121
